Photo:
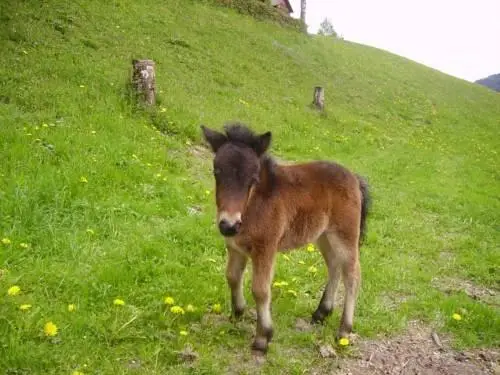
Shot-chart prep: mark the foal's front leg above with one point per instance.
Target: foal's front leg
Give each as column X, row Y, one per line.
column 263, row 268
column 236, row 264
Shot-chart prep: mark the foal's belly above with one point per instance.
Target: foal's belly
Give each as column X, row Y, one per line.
column 302, row 232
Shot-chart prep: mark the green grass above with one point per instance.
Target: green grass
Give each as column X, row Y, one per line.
column 428, row 143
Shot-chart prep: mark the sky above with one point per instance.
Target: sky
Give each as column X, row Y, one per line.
column 457, row 37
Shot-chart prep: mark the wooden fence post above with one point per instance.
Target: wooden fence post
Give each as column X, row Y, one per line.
column 319, row 97
column 143, row 79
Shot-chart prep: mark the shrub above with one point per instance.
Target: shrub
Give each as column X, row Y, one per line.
column 262, row 10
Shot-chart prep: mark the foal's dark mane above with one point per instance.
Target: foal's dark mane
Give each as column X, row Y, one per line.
column 239, row 134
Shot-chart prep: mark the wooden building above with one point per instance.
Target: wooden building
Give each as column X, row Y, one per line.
column 283, row 5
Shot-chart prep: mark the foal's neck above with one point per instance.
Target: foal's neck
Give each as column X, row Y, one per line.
column 267, row 178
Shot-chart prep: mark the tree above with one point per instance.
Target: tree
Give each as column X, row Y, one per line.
column 326, row 28
column 303, row 10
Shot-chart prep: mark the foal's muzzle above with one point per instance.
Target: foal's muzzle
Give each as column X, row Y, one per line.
column 228, row 229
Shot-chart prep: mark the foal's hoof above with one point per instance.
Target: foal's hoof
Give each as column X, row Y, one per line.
column 317, row 318
column 259, row 348
column 344, row 332
column 238, row 313
column 320, row 315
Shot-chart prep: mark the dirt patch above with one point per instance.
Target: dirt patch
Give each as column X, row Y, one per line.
column 200, row 152
column 450, row 285
column 303, row 325
column 417, row 352
column 447, row 256
column 391, row 301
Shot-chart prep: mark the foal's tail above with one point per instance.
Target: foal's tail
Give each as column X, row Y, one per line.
column 365, row 206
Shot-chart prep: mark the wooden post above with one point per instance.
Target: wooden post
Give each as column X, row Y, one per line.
column 143, row 79
column 319, row 97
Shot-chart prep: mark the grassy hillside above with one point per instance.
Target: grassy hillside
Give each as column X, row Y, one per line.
column 97, row 204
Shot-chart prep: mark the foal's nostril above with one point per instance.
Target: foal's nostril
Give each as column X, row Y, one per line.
column 224, row 225
column 228, row 229
column 237, row 226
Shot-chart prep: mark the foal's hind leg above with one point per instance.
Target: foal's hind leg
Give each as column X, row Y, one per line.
column 333, row 262
column 351, row 272
column 236, row 264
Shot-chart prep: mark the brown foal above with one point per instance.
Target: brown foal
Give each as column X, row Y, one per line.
column 263, row 208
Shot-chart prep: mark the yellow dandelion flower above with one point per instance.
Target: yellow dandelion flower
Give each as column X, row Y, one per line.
column 25, row 307
column 77, row 373
column 23, row 245
column 83, row 180
column 158, row 175
column 456, row 316
column 163, row 109
column 71, row 307
column 216, row 308
column 310, row 248
column 279, row 284
column 169, row 301
column 14, row 290
column 292, row 292
column 45, row 125
column 286, row 257
column 82, row 86
column 190, row 308
column 344, row 341
column 301, row 262
column 312, row 269
column 207, row 192
column 50, row 329
column 118, row 302
column 90, row 231
column 177, row 310
column 6, row 241
column 93, row 132
column 183, row 333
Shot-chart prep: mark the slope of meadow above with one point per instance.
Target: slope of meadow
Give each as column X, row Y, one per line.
column 97, row 204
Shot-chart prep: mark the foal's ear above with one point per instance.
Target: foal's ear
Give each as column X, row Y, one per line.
column 214, row 138
column 263, row 142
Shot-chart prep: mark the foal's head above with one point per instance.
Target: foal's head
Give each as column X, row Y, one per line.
column 237, row 165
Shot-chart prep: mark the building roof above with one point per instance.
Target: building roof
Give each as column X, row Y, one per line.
column 283, row 2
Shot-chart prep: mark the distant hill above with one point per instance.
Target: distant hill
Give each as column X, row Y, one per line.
column 493, row 82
